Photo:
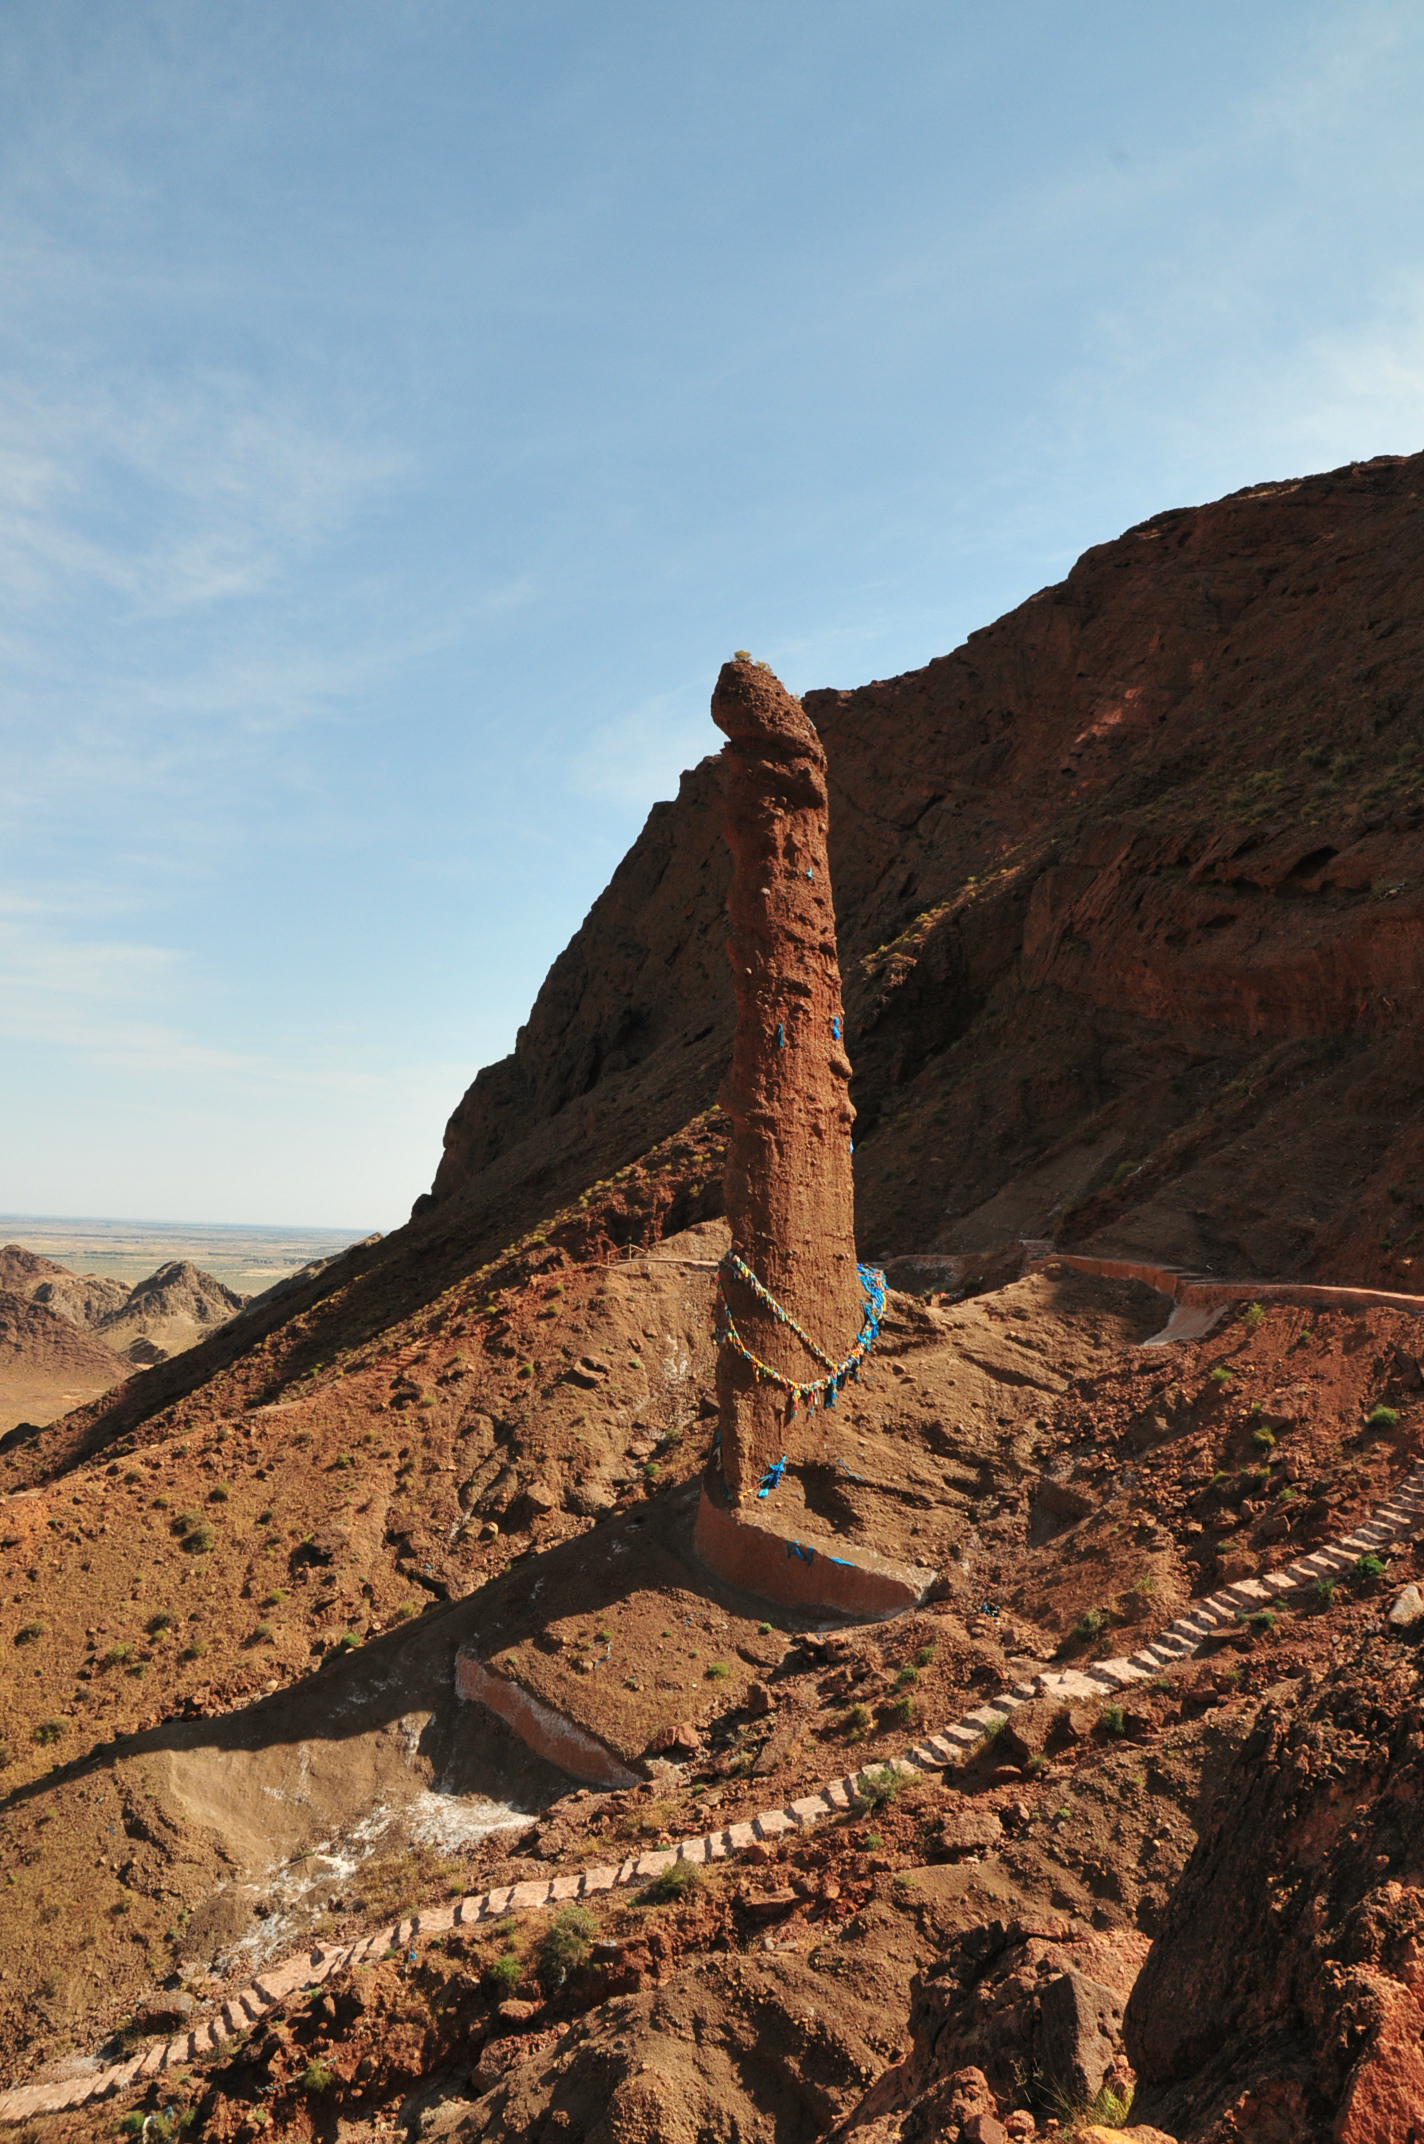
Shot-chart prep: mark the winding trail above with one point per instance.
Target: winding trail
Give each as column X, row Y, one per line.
column 1400, row 1516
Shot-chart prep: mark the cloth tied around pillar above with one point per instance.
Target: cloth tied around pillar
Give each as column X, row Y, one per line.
column 800, row 1392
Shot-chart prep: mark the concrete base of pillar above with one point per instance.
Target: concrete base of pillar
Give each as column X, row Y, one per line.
column 547, row 1732
column 809, row 1573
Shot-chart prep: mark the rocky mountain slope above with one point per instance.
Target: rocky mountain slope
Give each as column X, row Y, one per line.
column 1128, row 902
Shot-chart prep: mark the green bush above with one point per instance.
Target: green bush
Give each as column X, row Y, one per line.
column 156, row 1623
column 1261, row 1620
column 1263, row 1439
column 903, row 1711
column 669, row 1885
column 1090, row 1626
column 564, row 1946
column 503, row 1974
column 28, row 1632
column 318, row 2077
column 51, row 1730
column 1367, row 1568
column 906, row 1678
column 877, row 1785
column 1323, row 1592
column 1221, row 1375
column 856, row 1721
column 1381, row 1418
column 1254, row 1316
column 716, row 1671
column 117, row 1656
column 1113, row 1722
column 924, row 1656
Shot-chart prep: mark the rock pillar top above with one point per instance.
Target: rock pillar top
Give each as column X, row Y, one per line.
column 789, row 1192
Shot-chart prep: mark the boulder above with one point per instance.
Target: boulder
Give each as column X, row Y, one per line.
column 1079, row 2034
column 1408, row 1609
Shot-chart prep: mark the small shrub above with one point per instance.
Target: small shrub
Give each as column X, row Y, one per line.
column 405, row 1611
column 1146, row 1585
column 194, row 1649
column 716, row 1671
column 1113, row 1723
column 262, row 1633
column 51, row 1730
column 564, row 1946
column 156, row 1623
column 1263, row 1439
column 347, row 1641
column 763, row 1630
column 1368, row 1568
column 877, row 1785
column 903, row 1711
column 1381, row 1418
column 318, row 2077
column 274, row 1599
column 669, row 1885
column 219, row 1493
column 924, row 1656
column 1254, row 1317
column 503, row 1974
column 1221, row 1375
column 1323, row 1592
column 1261, row 1620
column 117, row 1656
column 906, row 1678
column 28, row 1632
column 1090, row 1626
column 855, row 1723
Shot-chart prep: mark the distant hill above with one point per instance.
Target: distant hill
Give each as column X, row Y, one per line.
column 48, row 1362
column 162, row 1314
column 170, row 1310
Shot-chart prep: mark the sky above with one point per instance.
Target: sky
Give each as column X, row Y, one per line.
column 406, row 406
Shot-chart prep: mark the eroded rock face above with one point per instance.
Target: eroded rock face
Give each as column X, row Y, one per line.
column 788, row 1187
column 1284, row 2000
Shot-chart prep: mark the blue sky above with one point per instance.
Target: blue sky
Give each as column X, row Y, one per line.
column 405, row 407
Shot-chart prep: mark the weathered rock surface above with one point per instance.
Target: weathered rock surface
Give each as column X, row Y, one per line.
column 789, row 1195
column 1283, row 1997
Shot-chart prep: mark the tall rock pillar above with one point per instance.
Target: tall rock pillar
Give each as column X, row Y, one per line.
column 794, row 1316
column 789, row 1191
